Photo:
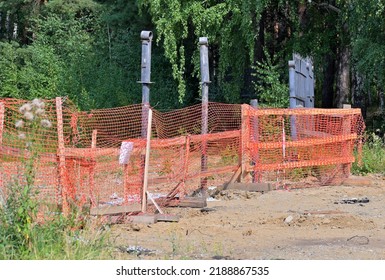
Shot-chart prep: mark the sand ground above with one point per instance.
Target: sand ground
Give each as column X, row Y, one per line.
column 299, row 224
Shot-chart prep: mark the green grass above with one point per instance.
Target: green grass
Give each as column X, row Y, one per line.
column 25, row 237
column 372, row 159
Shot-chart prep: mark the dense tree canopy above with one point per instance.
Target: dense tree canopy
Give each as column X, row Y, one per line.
column 89, row 50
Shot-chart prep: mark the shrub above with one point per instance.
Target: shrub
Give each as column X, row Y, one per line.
column 373, row 156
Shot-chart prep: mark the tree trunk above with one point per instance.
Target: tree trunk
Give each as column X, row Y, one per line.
column 343, row 77
column 248, row 77
column 358, row 96
column 382, row 101
column 328, row 82
column 260, row 43
column 302, row 17
column 3, row 29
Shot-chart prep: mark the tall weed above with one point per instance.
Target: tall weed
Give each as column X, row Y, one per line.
column 25, row 236
column 372, row 157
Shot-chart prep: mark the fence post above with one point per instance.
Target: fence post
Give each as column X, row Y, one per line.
column 2, row 117
column 205, row 80
column 61, row 154
column 92, row 167
column 145, row 75
column 347, row 146
column 244, row 140
column 146, row 163
column 146, row 37
column 255, row 138
column 293, row 100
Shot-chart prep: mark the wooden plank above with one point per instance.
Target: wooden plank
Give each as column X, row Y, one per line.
column 142, row 219
column 244, row 140
column 61, row 154
column 92, row 167
column 146, row 163
column 193, row 202
column 251, row 187
column 154, row 202
column 236, row 175
column 115, row 209
column 167, row 218
column 357, row 181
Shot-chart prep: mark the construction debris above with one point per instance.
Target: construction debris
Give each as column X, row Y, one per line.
column 353, row 201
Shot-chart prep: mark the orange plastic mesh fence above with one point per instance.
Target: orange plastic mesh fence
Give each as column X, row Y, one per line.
column 98, row 157
column 300, row 147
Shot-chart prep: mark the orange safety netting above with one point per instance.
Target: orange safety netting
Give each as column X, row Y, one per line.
column 97, row 158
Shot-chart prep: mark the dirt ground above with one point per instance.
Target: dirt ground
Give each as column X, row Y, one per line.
column 327, row 223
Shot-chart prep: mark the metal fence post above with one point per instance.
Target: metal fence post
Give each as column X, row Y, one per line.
column 293, row 100
column 146, row 37
column 255, row 138
column 205, row 80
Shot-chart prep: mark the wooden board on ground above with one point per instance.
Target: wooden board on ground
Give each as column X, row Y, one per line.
column 167, row 218
column 143, row 219
column 115, row 209
column 357, row 181
column 193, row 202
column 251, row 187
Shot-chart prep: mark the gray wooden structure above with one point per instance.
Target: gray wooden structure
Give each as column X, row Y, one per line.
column 301, row 82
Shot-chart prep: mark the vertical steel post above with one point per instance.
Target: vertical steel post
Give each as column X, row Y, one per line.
column 146, row 37
column 255, row 138
column 293, row 100
column 205, row 80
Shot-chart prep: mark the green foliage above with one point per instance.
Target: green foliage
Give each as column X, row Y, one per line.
column 227, row 24
column 366, row 22
column 9, row 70
column 17, row 216
column 271, row 89
column 372, row 158
column 28, row 72
column 89, row 50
